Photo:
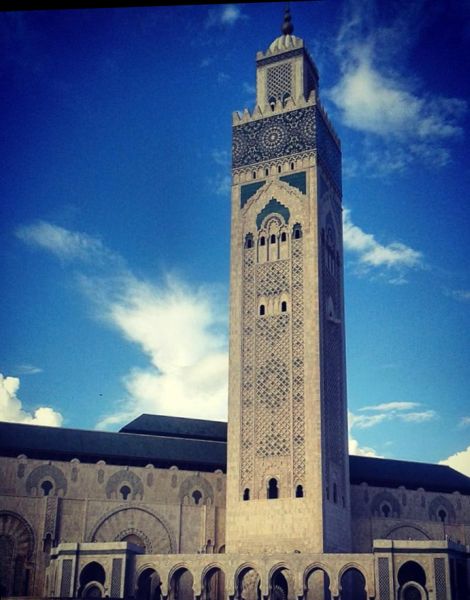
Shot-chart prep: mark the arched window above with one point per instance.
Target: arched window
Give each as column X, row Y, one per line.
column 299, row 491
column 196, row 496
column 283, row 236
column 125, row 491
column 262, row 240
column 292, row 166
column 254, row 174
column 335, row 493
column 385, row 510
column 248, row 240
column 246, row 494
column 273, row 490
column 266, row 172
column 261, row 309
column 279, row 169
column 46, row 487
column 283, row 306
column 272, row 102
column 273, row 239
column 297, row 231
column 442, row 515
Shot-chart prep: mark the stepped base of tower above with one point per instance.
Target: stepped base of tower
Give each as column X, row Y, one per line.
column 273, row 576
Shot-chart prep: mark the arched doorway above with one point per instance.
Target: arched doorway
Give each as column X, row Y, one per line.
column 148, row 585
column 213, row 585
column 248, row 584
column 353, row 585
column 279, row 588
column 16, row 549
column 411, row 581
column 317, row 585
column 412, row 591
column 181, row 585
column 92, row 578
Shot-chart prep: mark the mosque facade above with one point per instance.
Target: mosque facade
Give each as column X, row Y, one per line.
column 271, row 505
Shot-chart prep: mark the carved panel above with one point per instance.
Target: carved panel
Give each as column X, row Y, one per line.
column 440, row 578
column 43, row 472
column 278, row 81
column 116, row 578
column 121, row 477
column 115, row 526
column 193, row 483
column 66, row 580
column 384, row 579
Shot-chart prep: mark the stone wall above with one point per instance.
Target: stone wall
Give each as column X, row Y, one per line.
column 43, row 503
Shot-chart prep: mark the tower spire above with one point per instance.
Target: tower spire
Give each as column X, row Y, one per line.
column 287, row 27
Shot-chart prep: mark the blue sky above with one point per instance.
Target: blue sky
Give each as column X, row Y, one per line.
column 115, row 211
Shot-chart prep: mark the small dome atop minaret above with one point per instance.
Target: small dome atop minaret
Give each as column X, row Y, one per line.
column 286, row 41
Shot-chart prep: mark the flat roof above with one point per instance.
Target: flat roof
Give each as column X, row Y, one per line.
column 116, row 448
column 198, row 445
column 179, row 427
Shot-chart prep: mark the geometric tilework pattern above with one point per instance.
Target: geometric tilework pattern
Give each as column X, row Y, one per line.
column 272, row 415
column 272, row 278
column 247, row 392
column 272, row 386
column 273, row 137
column 272, row 374
column 298, row 411
column 279, row 82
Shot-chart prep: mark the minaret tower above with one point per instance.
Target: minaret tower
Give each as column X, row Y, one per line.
column 288, row 469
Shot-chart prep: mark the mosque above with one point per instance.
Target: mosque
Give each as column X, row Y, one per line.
column 270, row 506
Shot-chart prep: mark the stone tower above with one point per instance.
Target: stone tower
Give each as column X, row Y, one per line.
column 288, row 469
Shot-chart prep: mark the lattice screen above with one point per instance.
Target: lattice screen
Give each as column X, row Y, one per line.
column 279, row 81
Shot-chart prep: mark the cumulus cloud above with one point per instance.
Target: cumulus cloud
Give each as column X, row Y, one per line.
column 11, row 409
column 65, row 244
column 181, row 330
column 357, row 450
column 394, row 257
column 402, row 122
column 459, row 461
column 224, row 15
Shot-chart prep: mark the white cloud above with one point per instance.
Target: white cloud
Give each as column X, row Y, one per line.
column 402, row 122
column 459, row 461
column 398, row 411
column 225, row 15
column 27, row 370
column 418, row 417
column 64, row 243
column 464, row 422
column 392, row 406
column 11, row 409
column 181, row 331
column 357, row 450
column 371, row 254
column 460, row 295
